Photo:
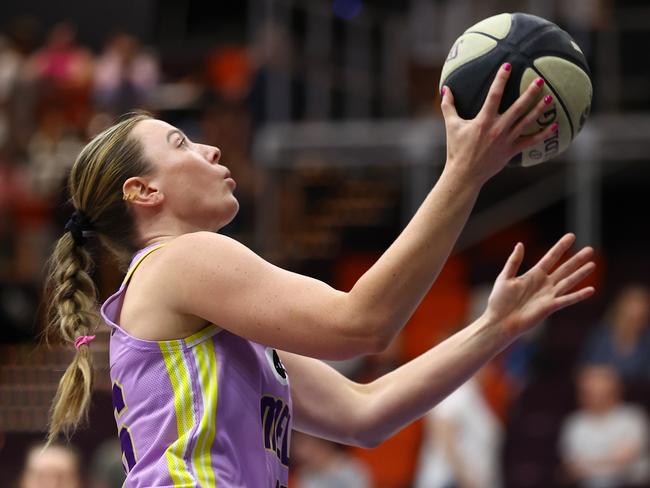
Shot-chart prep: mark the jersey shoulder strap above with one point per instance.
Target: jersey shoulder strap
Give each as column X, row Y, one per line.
column 137, row 262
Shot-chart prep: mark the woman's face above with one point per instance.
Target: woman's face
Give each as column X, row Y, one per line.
column 196, row 188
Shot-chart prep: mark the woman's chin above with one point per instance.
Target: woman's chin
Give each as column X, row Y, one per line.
column 232, row 213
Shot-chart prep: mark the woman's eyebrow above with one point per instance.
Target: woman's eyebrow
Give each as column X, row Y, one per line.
column 175, row 131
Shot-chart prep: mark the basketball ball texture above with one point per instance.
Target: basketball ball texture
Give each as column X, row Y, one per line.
column 535, row 48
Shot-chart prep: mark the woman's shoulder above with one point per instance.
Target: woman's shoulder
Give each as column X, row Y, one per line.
column 198, row 253
column 200, row 245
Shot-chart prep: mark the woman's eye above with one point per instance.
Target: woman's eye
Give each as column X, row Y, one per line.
column 182, row 143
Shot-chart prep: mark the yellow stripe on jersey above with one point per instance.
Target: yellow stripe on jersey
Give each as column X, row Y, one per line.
column 202, row 335
column 137, row 263
column 207, row 366
column 180, row 379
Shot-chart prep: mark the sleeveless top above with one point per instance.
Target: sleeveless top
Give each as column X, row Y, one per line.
column 209, row 410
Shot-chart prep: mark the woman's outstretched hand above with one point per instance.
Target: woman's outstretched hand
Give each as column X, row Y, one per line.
column 481, row 147
column 520, row 302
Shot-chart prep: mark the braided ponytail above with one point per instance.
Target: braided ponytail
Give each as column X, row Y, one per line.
column 72, row 312
column 95, row 186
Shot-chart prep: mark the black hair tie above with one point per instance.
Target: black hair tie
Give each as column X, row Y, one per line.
column 79, row 226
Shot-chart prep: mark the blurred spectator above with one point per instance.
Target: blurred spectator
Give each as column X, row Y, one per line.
column 58, row 466
column 125, row 75
column 61, row 60
column 321, row 464
column 61, row 72
column 51, row 152
column 106, row 468
column 10, row 65
column 461, row 444
column 623, row 340
column 605, row 443
column 274, row 83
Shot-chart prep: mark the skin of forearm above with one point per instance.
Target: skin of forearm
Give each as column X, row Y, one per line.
column 388, row 293
column 410, row 391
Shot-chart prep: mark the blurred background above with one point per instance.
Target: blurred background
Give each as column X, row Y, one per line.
column 327, row 113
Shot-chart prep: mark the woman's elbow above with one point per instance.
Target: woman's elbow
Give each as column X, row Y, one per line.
column 351, row 348
column 368, row 425
column 362, row 338
column 378, row 343
column 378, row 334
column 365, row 331
column 367, row 437
column 369, row 441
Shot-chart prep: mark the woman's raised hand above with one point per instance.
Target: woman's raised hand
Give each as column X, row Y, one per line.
column 477, row 149
column 517, row 303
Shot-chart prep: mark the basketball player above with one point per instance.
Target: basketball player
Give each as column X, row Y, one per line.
column 206, row 335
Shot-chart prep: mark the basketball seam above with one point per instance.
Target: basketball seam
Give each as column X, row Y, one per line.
column 536, row 34
column 559, row 100
column 484, row 34
column 518, row 48
column 532, row 36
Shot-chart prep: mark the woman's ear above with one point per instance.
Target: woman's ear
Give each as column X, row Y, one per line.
column 138, row 191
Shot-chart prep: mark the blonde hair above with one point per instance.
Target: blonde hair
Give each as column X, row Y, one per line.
column 95, row 186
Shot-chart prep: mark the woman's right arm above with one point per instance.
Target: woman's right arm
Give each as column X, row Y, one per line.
column 226, row 283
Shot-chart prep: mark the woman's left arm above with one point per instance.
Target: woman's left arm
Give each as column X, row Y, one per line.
column 328, row 405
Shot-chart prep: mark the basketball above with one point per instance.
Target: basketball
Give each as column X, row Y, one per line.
column 535, row 48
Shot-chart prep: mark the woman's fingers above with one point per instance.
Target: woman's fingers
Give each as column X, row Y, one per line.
column 575, row 297
column 574, row 278
column 524, row 120
column 529, row 141
column 493, row 100
column 526, row 105
column 554, row 254
column 514, row 262
column 569, row 266
column 447, row 105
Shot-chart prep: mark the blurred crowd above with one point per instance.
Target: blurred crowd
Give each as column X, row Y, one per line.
column 54, row 97
column 541, row 414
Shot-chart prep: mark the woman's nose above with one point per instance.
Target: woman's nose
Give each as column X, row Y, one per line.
column 214, row 154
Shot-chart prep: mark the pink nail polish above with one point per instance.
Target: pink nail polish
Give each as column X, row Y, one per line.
column 507, row 66
column 548, row 99
column 444, row 89
column 554, row 126
column 539, row 81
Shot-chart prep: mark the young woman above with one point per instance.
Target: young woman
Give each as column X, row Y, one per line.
column 202, row 329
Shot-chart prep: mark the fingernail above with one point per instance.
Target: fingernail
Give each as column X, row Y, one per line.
column 444, row 89
column 554, row 126
column 539, row 81
column 548, row 99
column 507, row 66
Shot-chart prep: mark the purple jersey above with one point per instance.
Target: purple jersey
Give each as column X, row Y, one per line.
column 209, row 410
